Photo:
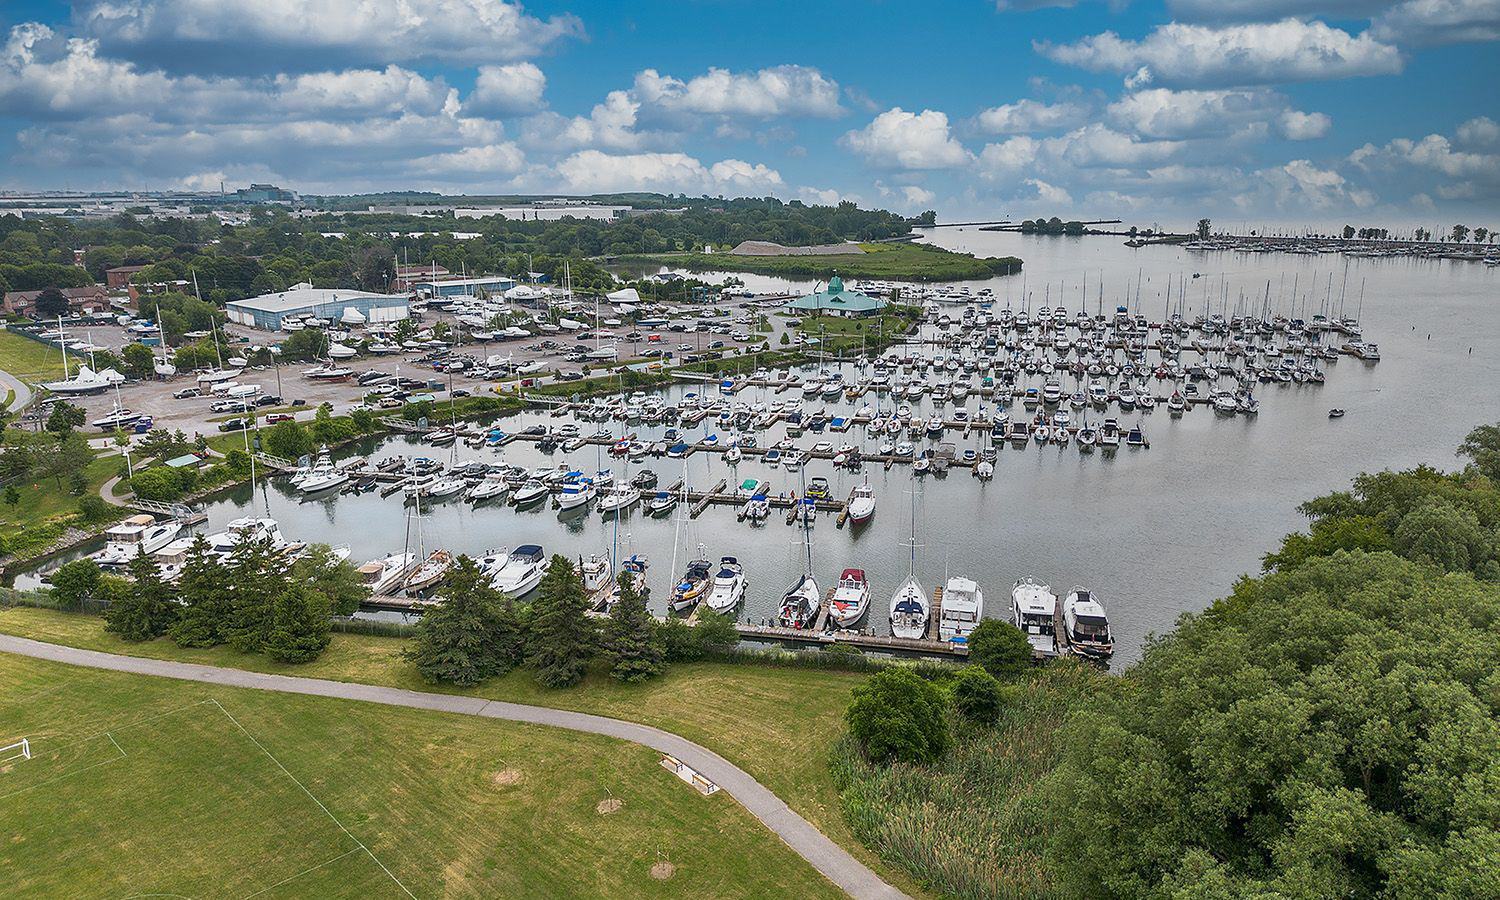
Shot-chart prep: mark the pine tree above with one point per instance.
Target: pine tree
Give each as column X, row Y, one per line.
column 299, row 625
column 332, row 577
column 634, row 646
column 256, row 577
column 205, row 590
column 145, row 607
column 468, row 637
column 561, row 640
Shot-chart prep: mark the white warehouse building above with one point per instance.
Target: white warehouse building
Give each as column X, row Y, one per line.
column 268, row 310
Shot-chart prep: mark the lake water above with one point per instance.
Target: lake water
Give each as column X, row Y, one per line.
column 1154, row 533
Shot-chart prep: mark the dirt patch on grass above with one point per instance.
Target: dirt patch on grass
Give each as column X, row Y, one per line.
column 663, row 870
column 605, row 807
column 506, row 777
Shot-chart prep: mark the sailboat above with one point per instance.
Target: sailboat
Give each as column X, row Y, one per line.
column 86, row 381
column 163, row 364
column 909, row 607
column 800, row 604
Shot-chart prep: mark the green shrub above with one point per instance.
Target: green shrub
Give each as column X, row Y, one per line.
column 1000, row 648
column 896, row 716
column 977, row 696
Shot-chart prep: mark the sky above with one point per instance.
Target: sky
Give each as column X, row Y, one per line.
column 1257, row 113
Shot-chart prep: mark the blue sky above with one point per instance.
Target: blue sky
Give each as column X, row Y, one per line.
column 1266, row 112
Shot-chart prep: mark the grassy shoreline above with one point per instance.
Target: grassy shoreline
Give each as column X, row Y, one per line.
column 900, row 261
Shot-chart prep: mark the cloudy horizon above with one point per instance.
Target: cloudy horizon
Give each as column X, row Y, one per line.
column 1374, row 111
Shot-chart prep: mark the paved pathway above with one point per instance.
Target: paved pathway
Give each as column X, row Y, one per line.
column 799, row 834
column 23, row 391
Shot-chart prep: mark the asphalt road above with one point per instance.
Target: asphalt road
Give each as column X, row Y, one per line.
column 826, row 856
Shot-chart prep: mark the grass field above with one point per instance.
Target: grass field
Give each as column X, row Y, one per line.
column 30, row 361
column 778, row 724
column 147, row 786
column 42, row 500
column 906, row 261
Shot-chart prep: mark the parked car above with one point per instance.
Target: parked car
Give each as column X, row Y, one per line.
column 268, row 400
column 460, row 392
column 185, row 393
column 274, row 418
column 235, row 424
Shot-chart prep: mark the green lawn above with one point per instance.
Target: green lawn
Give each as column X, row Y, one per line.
column 778, row 724
column 146, row 786
column 30, row 361
column 42, row 500
column 905, row 261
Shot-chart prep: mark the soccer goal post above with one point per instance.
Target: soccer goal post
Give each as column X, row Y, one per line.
column 19, row 750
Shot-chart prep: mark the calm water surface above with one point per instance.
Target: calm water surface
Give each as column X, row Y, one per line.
column 1154, row 532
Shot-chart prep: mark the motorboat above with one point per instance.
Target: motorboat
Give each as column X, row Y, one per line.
column 1034, row 611
column 430, row 573
column 325, row 477
column 490, row 486
column 1086, row 625
column 529, row 493
column 245, row 530
column 851, row 598
column 909, row 610
column 800, row 604
column 522, row 571
column 690, row 587
column 962, row 609
column 662, row 503
column 385, row 574
column 619, row 499
column 861, row 505
column 728, row 587
column 136, row 534
column 119, row 417
column 756, row 509
column 576, row 494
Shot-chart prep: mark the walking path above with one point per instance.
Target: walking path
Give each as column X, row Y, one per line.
column 799, row 834
column 23, row 391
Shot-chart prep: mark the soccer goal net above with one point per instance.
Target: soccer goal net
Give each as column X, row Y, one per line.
column 19, row 750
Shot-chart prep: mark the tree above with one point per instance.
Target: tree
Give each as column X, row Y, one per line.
column 288, row 440
column 562, row 640
column 376, row 268
column 1204, row 228
column 256, row 577
column 51, row 303
column 204, row 588
column 977, row 695
column 1482, row 448
column 1444, row 535
column 1000, row 648
column 75, row 583
column 716, row 632
column 897, row 716
column 635, row 649
column 470, row 636
column 1460, row 232
column 138, row 360
column 336, row 579
column 92, row 508
column 1348, row 232
column 1481, row 234
column 144, row 608
column 299, row 625
column 64, row 418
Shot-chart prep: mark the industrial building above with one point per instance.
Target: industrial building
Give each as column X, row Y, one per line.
column 464, row 287
column 269, row 310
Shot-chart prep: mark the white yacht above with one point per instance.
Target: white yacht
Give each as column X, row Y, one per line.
column 728, row 586
column 136, row 534
column 576, row 494
column 861, row 504
column 621, row 498
column 384, row 575
column 909, row 610
column 324, row 478
column 522, row 571
column 963, row 607
column 851, row 598
column 1087, row 626
column 1034, row 610
column 244, row 530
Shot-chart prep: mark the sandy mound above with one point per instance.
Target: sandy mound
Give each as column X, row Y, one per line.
column 605, row 807
column 663, row 870
column 506, row 777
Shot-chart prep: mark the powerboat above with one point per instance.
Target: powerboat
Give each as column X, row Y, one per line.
column 119, row 417
column 619, row 499
column 851, row 598
column 690, row 587
column 529, row 493
column 963, row 607
column 861, row 504
column 522, row 571
column 728, row 586
column 1086, row 625
column 134, row 535
column 1034, row 611
column 909, row 610
column 243, row 531
column 383, row 575
column 576, row 494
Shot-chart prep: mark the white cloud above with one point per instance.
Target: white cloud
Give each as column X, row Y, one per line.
column 1301, row 185
column 903, row 140
column 1005, row 159
column 610, row 124
column 1433, row 152
column 1025, row 116
column 507, row 90
column 1431, row 22
column 590, row 171
column 224, row 34
column 1256, row 53
column 1050, row 193
column 819, row 196
column 1481, row 132
column 763, row 94
column 1296, row 125
column 1165, row 113
column 491, row 159
column 1271, row 10
column 916, row 196
column 1100, row 145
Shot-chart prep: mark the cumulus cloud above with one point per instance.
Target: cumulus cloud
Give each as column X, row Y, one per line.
column 507, row 90
column 1432, row 22
column 591, row 171
column 1004, row 159
column 1481, row 132
column 1254, row 53
column 1434, row 153
column 1272, row 10
column 1049, row 193
column 492, row 159
column 1301, row 185
column 610, row 124
column 1026, row 116
column 763, row 94
column 1296, row 125
column 224, row 35
column 1165, row 113
column 899, row 139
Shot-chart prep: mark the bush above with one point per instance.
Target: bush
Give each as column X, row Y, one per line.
column 896, row 716
column 93, row 508
column 977, row 696
column 716, row 632
column 1000, row 648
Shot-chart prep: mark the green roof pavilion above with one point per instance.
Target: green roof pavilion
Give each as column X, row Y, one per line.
column 837, row 300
